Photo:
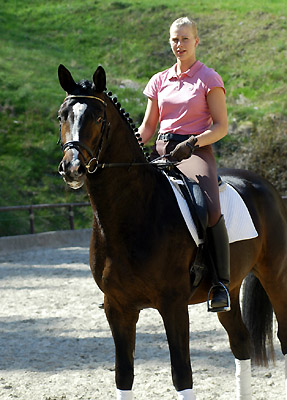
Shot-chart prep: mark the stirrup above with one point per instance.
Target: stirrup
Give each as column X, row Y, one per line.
column 218, row 309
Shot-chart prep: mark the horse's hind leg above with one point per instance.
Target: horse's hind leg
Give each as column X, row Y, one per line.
column 279, row 303
column 282, row 335
column 276, row 288
column 123, row 326
column 240, row 346
column 176, row 322
column 276, row 291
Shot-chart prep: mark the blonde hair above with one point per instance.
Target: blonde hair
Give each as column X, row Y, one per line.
column 184, row 21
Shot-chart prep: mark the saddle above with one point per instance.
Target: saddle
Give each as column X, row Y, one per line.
column 192, row 204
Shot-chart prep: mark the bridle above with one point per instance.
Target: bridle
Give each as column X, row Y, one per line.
column 94, row 159
column 79, row 146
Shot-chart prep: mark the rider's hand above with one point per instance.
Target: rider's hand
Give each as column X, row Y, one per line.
column 184, row 149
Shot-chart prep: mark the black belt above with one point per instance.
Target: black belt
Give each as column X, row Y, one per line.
column 166, row 137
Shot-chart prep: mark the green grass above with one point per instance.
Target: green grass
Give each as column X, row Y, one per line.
column 244, row 41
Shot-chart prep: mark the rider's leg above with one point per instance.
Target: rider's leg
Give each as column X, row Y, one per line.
column 203, row 163
column 218, row 243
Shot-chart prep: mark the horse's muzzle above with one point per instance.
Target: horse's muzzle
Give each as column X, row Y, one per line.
column 73, row 173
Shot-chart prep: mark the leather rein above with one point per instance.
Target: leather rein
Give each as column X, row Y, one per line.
column 79, row 146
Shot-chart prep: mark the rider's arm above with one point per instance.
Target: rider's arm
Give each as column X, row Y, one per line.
column 150, row 121
column 217, row 107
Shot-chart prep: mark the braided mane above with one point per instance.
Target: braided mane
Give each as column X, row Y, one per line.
column 129, row 120
column 88, row 88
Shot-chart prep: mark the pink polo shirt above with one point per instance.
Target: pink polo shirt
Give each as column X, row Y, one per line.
column 182, row 103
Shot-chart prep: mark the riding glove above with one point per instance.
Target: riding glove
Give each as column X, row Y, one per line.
column 184, row 149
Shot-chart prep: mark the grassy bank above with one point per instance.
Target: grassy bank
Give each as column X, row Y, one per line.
column 245, row 42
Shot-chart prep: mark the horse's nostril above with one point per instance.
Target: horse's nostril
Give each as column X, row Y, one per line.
column 81, row 170
column 71, row 170
column 61, row 168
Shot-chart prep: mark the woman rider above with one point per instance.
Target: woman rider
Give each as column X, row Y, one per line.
column 188, row 102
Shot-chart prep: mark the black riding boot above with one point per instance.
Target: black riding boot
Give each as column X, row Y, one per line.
column 218, row 243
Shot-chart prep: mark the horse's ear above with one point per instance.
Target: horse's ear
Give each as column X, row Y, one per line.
column 99, row 79
column 65, row 78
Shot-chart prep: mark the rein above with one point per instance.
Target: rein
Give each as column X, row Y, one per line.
column 95, row 159
column 167, row 164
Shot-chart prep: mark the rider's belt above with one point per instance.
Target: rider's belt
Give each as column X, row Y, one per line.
column 166, row 137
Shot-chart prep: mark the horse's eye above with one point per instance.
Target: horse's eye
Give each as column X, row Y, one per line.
column 99, row 120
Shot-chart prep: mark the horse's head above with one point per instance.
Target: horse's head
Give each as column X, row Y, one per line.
column 82, row 118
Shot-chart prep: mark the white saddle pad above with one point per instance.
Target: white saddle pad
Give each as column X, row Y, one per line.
column 237, row 217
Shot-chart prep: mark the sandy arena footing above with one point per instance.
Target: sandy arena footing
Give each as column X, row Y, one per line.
column 56, row 343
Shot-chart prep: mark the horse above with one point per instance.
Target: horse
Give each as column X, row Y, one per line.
column 141, row 250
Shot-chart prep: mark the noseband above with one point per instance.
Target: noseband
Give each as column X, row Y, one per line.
column 79, row 146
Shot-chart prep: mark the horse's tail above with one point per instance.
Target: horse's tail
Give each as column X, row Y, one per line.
column 258, row 319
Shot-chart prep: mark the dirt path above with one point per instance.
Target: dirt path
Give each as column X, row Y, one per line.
column 56, row 344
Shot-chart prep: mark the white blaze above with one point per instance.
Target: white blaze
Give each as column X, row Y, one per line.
column 78, row 110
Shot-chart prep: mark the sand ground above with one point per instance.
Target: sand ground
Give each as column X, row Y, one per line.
column 56, row 344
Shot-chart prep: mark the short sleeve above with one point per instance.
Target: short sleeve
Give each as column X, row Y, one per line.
column 152, row 88
column 213, row 80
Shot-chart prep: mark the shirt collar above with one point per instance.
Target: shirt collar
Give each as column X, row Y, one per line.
column 190, row 72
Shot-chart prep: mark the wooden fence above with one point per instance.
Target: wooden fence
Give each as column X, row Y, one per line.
column 30, row 209
column 70, row 206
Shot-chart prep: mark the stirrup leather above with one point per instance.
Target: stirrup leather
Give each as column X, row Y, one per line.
column 218, row 309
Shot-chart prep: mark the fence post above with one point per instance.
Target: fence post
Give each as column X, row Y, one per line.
column 71, row 217
column 31, row 217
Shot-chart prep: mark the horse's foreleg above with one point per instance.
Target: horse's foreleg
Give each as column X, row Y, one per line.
column 240, row 347
column 123, row 326
column 124, row 394
column 187, row 394
column 176, row 322
column 243, row 379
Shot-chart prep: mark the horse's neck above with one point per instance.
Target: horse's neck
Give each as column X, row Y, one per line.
column 109, row 185
column 121, row 190
column 123, row 146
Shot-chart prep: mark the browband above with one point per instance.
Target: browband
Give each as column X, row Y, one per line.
column 87, row 97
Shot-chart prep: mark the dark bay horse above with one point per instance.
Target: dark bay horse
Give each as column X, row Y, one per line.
column 141, row 250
